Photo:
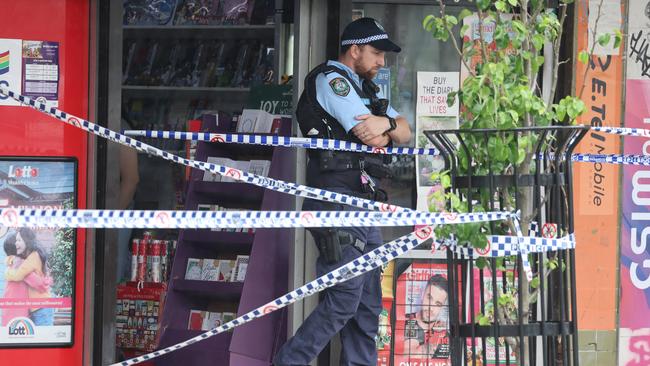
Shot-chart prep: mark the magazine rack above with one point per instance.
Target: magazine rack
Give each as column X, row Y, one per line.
column 266, row 278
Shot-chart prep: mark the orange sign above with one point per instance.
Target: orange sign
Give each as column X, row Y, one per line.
column 596, row 186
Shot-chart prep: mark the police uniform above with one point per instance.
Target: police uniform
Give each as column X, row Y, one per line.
column 352, row 307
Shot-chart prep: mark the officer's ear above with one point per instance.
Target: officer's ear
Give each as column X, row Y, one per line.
column 355, row 51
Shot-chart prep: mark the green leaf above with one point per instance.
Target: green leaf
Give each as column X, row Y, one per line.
column 501, row 6
column 538, row 41
column 464, row 14
column 535, row 282
column 428, row 22
column 521, row 155
column 451, row 98
column 481, row 263
column 483, row 320
column 583, row 57
column 604, row 39
column 445, row 181
column 483, row 4
column 450, row 19
column 513, row 2
column 463, row 30
column 618, row 38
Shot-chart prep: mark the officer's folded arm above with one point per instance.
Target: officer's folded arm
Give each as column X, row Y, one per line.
column 375, row 130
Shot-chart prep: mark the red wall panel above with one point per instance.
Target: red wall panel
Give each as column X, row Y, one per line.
column 26, row 132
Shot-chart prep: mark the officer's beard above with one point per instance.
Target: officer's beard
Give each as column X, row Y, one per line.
column 367, row 74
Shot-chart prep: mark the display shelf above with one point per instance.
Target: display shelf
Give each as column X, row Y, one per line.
column 201, row 32
column 209, row 289
column 265, row 279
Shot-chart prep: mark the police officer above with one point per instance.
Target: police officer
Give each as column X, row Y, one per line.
column 341, row 102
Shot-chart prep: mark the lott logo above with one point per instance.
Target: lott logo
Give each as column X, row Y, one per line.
column 20, row 327
column 4, row 62
column 379, row 150
column 217, row 138
column 26, row 171
column 424, row 233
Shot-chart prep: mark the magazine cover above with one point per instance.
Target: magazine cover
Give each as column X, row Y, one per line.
column 490, row 344
column 36, row 265
column 422, row 316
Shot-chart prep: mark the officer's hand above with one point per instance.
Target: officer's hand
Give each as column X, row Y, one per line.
column 370, row 127
column 379, row 141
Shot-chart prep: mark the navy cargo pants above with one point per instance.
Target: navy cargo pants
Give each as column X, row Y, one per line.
column 351, row 308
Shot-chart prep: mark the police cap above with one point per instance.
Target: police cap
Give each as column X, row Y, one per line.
column 368, row 31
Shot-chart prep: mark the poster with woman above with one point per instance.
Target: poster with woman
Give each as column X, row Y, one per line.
column 422, row 316
column 36, row 265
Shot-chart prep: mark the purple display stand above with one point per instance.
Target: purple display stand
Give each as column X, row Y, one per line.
column 256, row 342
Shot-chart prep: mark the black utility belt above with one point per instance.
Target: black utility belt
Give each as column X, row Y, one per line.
column 329, row 162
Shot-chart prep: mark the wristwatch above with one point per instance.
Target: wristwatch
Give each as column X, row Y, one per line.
column 393, row 124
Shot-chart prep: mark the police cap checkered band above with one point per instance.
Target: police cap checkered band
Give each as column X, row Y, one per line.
column 368, row 31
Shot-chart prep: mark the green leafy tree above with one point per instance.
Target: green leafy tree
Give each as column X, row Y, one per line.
column 502, row 92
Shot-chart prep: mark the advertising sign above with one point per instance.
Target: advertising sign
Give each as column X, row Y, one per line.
column 432, row 113
column 37, row 265
column 422, row 316
column 596, row 186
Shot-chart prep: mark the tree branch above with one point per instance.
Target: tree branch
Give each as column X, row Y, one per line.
column 593, row 47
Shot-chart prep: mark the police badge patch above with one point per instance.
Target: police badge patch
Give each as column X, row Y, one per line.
column 340, row 86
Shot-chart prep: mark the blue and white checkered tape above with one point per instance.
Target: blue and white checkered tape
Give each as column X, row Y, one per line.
column 272, row 140
column 624, row 131
column 114, row 219
column 503, row 246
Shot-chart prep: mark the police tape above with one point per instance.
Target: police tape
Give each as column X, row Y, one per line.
column 268, row 183
column 624, row 131
column 628, row 159
column 120, row 219
column 505, row 246
column 284, row 141
column 339, row 145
